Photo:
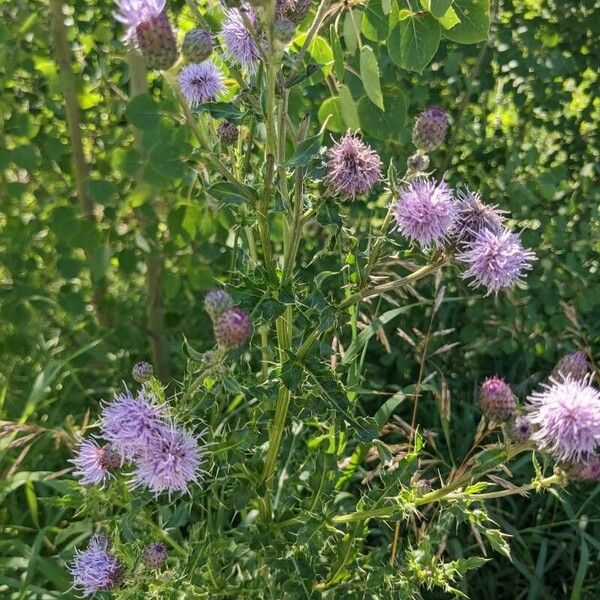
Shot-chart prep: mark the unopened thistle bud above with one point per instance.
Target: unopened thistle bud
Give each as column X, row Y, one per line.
column 574, row 364
column 142, row 372
column 154, row 555
column 228, row 133
column 232, row 328
column 520, row 429
column 197, row 45
column 496, row 399
column 284, row 30
column 418, row 163
column 216, row 301
column 430, row 129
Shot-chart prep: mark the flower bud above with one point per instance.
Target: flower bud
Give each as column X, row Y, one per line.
column 216, row 301
column 154, row 555
column 496, row 399
column 574, row 365
column 418, row 163
column 430, row 129
column 588, row 470
column 228, row 133
column 232, row 328
column 520, row 429
column 197, row 45
column 284, row 30
column 156, row 42
column 142, row 372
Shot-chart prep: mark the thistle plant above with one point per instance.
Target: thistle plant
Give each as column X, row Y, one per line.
column 264, row 448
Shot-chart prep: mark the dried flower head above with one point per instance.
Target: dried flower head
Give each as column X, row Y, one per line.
column 353, row 167
column 228, row 133
column 201, row 82
column 154, row 555
column 197, row 45
column 149, row 30
column 430, row 128
column 95, row 569
column 574, row 365
column 142, row 372
column 295, row 10
column 496, row 399
column 129, row 423
column 496, row 260
column 474, row 216
column 240, row 46
column 232, row 328
column 216, row 301
column 566, row 418
column 171, row 462
column 94, row 463
column 425, row 212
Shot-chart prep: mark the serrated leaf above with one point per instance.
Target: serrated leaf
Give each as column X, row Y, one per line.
column 474, row 23
column 369, row 74
column 413, row 42
column 348, row 106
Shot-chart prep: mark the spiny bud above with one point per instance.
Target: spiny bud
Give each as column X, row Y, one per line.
column 154, row 555
column 585, row 471
column 520, row 429
column 232, row 328
column 418, row 163
column 574, row 364
column 197, row 45
column 475, row 216
column 496, row 399
column 142, row 372
column 228, row 133
column 430, row 128
column 156, row 42
column 216, row 301
column 300, row 10
column 284, row 30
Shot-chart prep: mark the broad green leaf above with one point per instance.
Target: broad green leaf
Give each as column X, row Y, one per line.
column 306, row 150
column 221, row 110
column 383, row 125
column 351, row 29
column 318, row 52
column 369, row 74
column 348, row 106
column 225, row 192
column 438, row 8
column 474, row 23
column 338, row 54
column 414, row 41
column 143, row 112
column 449, row 20
column 330, row 111
column 374, row 24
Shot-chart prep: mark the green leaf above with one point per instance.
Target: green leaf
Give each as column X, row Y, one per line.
column 166, row 159
column 384, row 125
column 348, row 106
column 318, row 52
column 143, row 112
column 474, row 23
column 338, row 54
column 225, row 192
column 221, row 110
column 449, row 20
column 331, row 112
column 305, row 151
column 369, row 74
column 414, row 41
column 374, row 24
column 438, row 8
column 350, row 30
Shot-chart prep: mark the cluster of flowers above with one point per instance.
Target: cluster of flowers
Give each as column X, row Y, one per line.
column 562, row 418
column 96, row 569
column 232, row 326
column 430, row 213
column 138, row 431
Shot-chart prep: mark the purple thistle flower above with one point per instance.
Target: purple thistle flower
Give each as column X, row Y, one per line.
column 130, row 424
column 496, row 399
column 353, row 167
column 425, row 212
column 474, row 216
column 496, row 260
column 566, row 416
column 232, row 328
column 240, row 46
column 149, row 30
column 574, row 365
column 95, row 569
column 430, row 128
column 171, row 462
column 201, row 82
column 94, row 463
column 154, row 555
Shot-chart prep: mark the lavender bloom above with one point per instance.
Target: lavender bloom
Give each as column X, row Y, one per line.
column 425, row 212
column 496, row 260
column 149, row 30
column 474, row 216
column 201, row 82
column 430, row 128
column 240, row 46
column 232, row 328
column 566, row 415
column 154, row 555
column 171, row 462
column 95, row 569
column 353, row 167
column 94, row 463
column 574, row 365
column 130, row 424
